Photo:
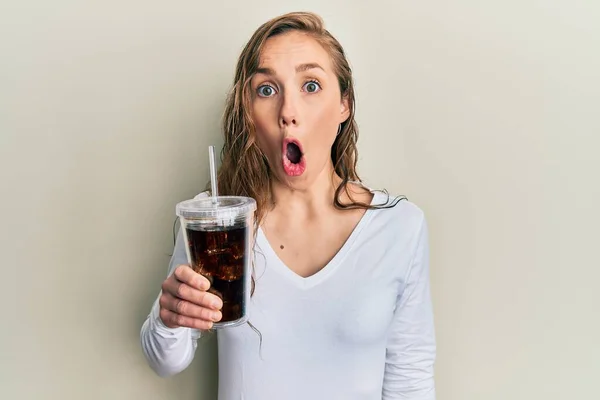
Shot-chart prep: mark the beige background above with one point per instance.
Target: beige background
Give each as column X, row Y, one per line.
column 484, row 113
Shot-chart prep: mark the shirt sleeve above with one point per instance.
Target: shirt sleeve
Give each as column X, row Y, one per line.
column 168, row 351
column 411, row 346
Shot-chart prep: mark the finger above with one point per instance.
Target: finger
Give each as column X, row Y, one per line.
column 187, row 309
column 182, row 291
column 185, row 274
column 204, row 299
column 173, row 320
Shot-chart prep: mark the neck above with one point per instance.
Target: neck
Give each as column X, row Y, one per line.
column 308, row 202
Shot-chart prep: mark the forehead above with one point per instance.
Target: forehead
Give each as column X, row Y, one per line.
column 291, row 49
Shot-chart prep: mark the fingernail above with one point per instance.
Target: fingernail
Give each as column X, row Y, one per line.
column 216, row 316
column 216, row 304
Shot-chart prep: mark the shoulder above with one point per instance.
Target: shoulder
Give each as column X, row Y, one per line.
column 397, row 215
column 398, row 206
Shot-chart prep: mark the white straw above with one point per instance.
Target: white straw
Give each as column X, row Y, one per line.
column 213, row 174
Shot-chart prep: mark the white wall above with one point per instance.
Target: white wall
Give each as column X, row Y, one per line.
column 481, row 112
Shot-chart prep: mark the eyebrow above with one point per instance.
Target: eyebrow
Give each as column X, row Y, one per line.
column 299, row 68
column 306, row 67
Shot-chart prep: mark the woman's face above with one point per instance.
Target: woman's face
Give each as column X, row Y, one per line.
column 297, row 108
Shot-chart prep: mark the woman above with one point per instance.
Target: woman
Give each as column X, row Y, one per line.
column 341, row 300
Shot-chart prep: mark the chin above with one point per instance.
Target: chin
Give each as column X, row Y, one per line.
column 302, row 182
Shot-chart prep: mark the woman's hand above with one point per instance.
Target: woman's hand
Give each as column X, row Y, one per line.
column 185, row 302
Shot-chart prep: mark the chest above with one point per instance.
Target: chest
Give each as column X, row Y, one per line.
column 306, row 249
column 316, row 327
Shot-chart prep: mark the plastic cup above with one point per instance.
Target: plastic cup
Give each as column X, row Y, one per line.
column 218, row 238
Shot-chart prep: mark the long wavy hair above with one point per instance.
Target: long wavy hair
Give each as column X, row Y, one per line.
column 244, row 168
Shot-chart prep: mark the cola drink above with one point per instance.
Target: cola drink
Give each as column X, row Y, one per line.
column 218, row 255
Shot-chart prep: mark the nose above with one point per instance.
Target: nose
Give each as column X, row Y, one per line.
column 289, row 111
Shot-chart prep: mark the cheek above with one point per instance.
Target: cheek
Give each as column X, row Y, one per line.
column 266, row 130
column 324, row 125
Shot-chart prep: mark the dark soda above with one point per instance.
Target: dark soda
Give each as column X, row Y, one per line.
column 219, row 255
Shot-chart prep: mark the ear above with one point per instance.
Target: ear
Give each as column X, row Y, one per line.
column 344, row 109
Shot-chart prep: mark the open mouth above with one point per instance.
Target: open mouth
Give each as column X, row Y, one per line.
column 294, row 162
column 293, row 153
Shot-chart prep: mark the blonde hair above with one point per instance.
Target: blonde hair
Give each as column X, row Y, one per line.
column 244, row 168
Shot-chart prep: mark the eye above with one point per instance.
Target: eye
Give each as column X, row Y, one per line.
column 312, row 87
column 265, row 91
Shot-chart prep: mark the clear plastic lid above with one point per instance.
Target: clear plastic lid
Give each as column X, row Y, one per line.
column 226, row 208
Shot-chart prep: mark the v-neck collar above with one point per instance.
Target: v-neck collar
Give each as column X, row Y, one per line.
column 331, row 266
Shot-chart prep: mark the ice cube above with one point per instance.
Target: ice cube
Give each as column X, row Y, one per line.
column 229, row 272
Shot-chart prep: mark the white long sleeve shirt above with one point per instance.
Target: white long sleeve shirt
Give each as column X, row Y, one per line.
column 359, row 329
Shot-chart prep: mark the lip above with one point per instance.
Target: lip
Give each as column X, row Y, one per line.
column 290, row 168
